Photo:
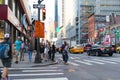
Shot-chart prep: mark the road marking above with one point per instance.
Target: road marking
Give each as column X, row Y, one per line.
column 94, row 62
column 83, row 62
column 75, row 64
column 64, row 78
column 34, row 68
column 114, row 60
column 40, row 74
column 77, row 57
column 40, row 70
column 105, row 61
column 72, row 58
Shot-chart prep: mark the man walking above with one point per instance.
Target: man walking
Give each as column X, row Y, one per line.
column 6, row 61
column 53, row 51
column 18, row 43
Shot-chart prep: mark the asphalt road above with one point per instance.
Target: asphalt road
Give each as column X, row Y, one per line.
column 80, row 67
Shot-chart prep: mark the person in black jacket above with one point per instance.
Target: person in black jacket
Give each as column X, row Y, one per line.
column 42, row 50
column 53, row 51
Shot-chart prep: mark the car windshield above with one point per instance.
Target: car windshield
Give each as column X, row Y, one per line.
column 96, row 46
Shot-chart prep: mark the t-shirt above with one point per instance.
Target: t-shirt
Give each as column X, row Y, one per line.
column 18, row 45
column 22, row 45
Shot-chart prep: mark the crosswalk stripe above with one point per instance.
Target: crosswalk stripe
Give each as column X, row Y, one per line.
column 40, row 70
column 83, row 62
column 62, row 78
column 94, row 62
column 75, row 64
column 105, row 61
column 72, row 58
column 33, row 68
column 115, row 60
column 36, row 74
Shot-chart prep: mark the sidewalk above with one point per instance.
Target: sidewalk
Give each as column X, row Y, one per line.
column 26, row 63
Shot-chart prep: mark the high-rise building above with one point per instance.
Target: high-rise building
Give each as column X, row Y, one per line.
column 85, row 9
column 107, row 7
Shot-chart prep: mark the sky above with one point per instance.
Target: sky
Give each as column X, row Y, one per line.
column 49, row 5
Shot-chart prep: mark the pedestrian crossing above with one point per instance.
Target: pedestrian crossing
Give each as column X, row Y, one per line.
column 37, row 73
column 77, row 61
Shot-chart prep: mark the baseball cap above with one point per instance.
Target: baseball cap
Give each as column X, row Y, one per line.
column 7, row 35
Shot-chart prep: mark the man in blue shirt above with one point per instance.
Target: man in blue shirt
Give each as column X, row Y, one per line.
column 17, row 45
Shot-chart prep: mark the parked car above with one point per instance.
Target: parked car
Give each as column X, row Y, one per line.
column 77, row 49
column 101, row 49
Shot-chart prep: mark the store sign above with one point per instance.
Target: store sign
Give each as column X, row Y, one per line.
column 100, row 18
column 12, row 18
column 6, row 13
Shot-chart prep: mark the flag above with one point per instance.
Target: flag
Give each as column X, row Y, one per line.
column 39, row 29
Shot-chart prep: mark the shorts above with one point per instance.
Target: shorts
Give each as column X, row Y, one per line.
column 17, row 52
column 6, row 62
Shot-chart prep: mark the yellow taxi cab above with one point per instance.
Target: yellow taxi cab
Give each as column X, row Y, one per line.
column 77, row 49
column 118, row 49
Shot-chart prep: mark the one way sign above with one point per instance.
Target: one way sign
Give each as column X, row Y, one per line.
column 38, row 6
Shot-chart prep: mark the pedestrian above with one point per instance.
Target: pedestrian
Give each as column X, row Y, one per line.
column 46, row 49
column 65, row 50
column 49, row 51
column 53, row 51
column 42, row 50
column 30, row 50
column 22, row 51
column 17, row 45
column 8, row 60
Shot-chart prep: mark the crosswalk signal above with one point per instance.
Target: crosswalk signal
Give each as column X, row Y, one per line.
column 43, row 14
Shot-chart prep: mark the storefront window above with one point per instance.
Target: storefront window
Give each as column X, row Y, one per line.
column 1, row 30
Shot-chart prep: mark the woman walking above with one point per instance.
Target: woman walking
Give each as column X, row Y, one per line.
column 30, row 50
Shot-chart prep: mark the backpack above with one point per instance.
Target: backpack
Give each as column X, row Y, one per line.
column 4, row 49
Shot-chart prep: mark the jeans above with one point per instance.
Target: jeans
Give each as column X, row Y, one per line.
column 65, row 56
column 30, row 55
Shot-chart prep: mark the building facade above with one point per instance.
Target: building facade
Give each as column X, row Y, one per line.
column 15, row 19
column 85, row 9
column 107, row 7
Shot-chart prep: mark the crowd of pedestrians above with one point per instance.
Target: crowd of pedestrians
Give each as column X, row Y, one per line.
column 18, row 49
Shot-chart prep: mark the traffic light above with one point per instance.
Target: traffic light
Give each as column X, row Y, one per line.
column 43, row 14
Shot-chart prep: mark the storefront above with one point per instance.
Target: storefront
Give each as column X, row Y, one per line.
column 9, row 23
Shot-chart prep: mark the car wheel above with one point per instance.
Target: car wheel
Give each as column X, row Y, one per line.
column 110, row 54
column 98, row 53
column 88, row 53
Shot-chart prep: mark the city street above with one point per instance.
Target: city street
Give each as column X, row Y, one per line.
column 80, row 67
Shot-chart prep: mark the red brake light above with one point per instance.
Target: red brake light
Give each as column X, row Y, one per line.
column 112, row 48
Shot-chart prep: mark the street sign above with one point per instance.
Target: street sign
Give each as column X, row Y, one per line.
column 38, row 6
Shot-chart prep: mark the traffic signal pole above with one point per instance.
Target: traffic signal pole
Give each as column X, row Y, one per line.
column 38, row 59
